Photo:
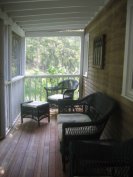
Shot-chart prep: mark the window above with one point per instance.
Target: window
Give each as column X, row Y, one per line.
column 16, row 55
column 127, row 90
column 98, row 51
column 53, row 55
column 86, row 53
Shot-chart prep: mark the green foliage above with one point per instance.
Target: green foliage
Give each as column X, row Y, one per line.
column 34, row 87
column 52, row 55
column 53, row 70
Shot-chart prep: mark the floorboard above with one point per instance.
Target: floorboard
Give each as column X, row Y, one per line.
column 31, row 151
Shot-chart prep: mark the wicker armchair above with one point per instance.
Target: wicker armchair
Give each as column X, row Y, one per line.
column 101, row 158
column 64, row 90
column 83, row 119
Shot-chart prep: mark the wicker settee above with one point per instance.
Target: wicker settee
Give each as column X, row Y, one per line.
column 83, row 119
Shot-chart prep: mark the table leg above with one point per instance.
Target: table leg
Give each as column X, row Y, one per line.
column 21, row 119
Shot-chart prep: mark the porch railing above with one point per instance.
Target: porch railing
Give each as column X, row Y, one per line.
column 14, row 94
column 34, row 85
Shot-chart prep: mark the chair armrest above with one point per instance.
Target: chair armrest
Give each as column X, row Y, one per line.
column 51, row 90
column 91, row 149
column 69, row 92
column 109, row 150
column 72, row 106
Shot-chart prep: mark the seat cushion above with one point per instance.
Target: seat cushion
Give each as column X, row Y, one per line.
column 75, row 117
column 56, row 97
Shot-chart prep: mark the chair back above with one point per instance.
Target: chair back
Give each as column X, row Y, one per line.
column 100, row 105
column 70, row 84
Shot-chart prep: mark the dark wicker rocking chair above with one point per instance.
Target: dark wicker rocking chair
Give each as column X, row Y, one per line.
column 64, row 90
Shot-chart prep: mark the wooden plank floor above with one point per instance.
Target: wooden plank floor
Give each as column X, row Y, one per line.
column 31, row 151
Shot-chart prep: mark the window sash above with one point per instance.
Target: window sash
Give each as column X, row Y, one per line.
column 16, row 55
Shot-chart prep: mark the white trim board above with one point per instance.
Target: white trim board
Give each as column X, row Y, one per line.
column 14, row 26
column 127, row 88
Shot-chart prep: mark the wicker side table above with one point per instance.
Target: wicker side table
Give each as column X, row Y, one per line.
column 36, row 110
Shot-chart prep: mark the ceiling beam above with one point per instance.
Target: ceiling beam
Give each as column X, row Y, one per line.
column 89, row 10
column 51, row 15
column 39, row 17
column 22, row 1
column 53, row 33
column 56, row 28
column 80, row 19
column 50, row 4
column 54, row 24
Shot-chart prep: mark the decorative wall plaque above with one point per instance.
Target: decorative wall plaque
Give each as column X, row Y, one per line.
column 99, row 51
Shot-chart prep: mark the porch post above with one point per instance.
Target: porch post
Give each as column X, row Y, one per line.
column 81, row 67
column 2, row 95
column 23, row 56
column 23, row 61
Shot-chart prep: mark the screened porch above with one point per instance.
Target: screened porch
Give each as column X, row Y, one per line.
column 87, row 19
column 22, row 19
column 107, row 21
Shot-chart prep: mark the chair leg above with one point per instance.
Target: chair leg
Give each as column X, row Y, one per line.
column 21, row 115
column 48, row 117
column 21, row 119
column 38, row 122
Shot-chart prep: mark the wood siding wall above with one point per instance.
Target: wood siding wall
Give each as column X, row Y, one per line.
column 111, row 22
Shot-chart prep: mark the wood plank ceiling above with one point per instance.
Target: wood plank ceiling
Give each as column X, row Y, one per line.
column 51, row 15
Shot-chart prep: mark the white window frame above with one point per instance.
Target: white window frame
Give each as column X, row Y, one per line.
column 127, row 88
